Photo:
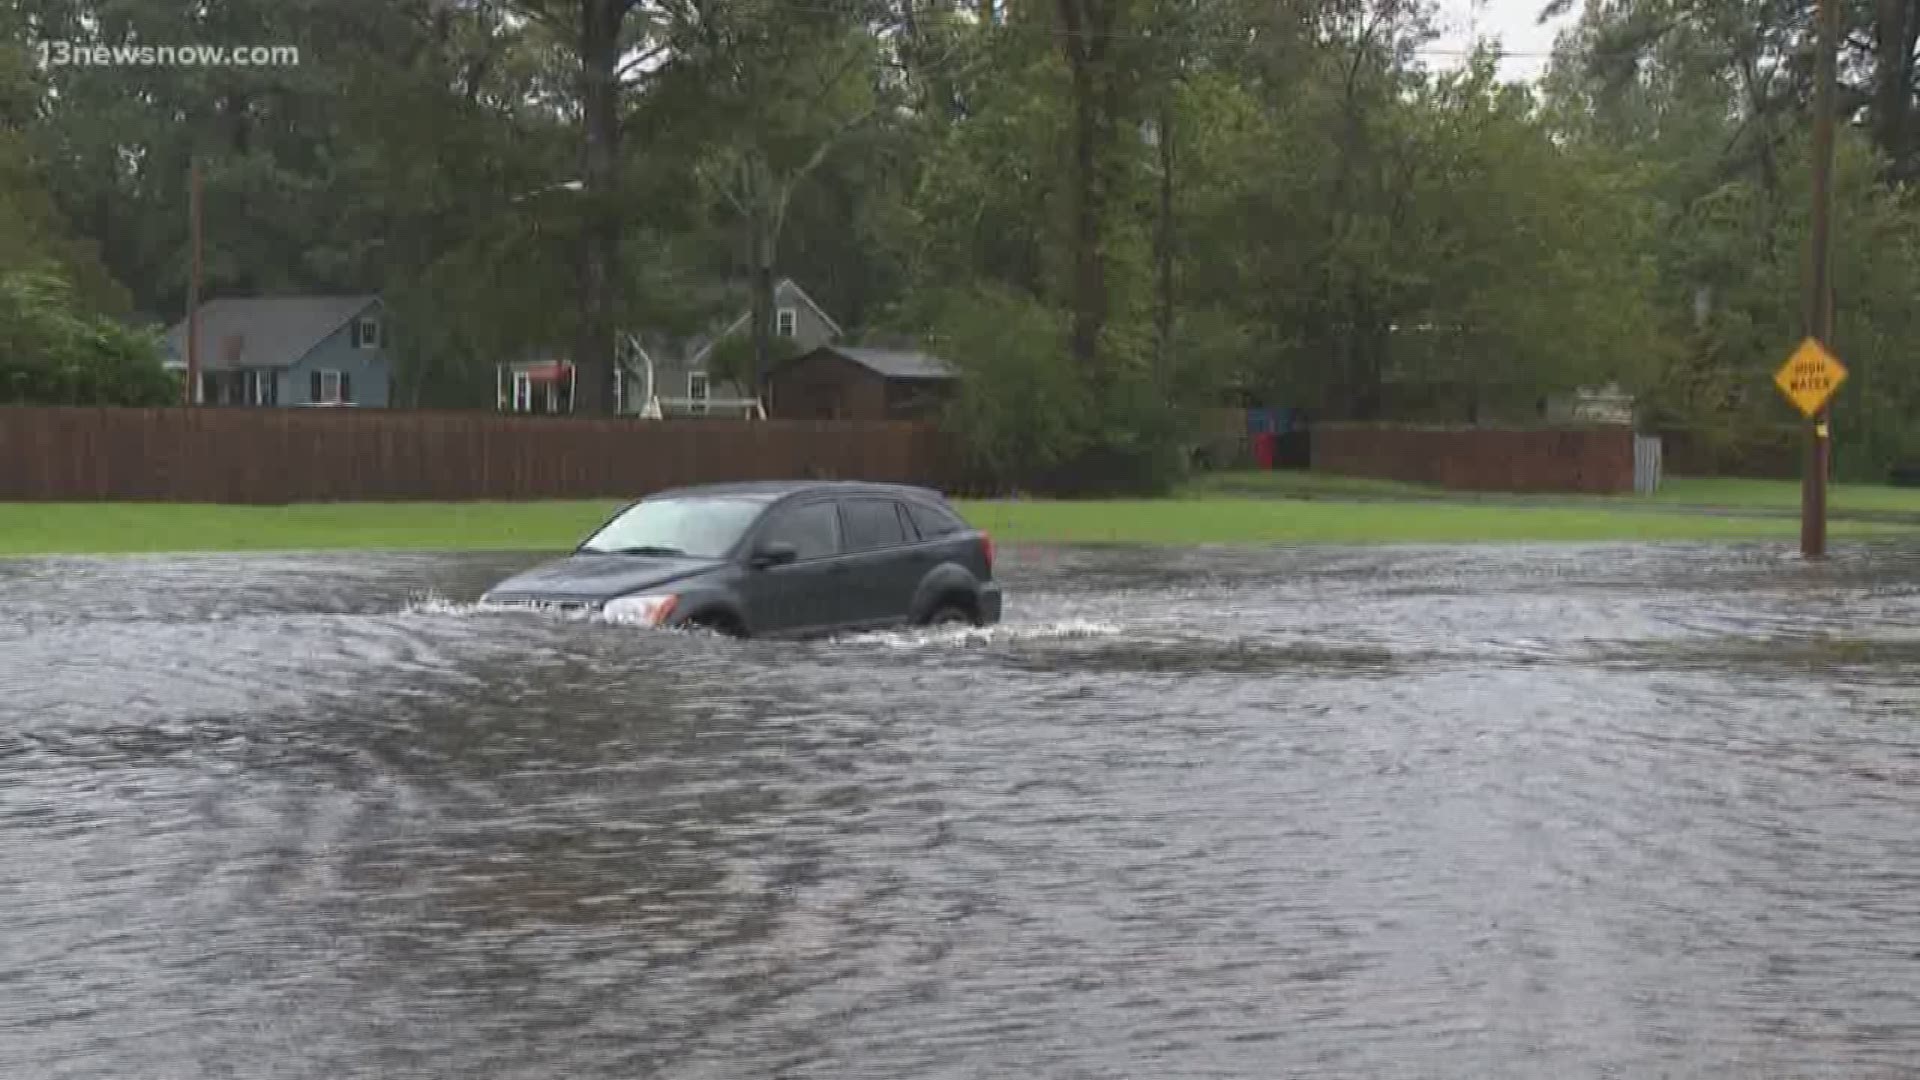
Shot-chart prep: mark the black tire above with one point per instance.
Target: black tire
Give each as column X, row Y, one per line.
column 951, row 614
column 719, row 625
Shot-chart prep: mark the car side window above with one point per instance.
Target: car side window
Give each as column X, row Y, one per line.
column 871, row 524
column 813, row 529
column 932, row 522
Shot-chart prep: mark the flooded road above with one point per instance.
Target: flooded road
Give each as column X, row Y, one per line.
column 1576, row 812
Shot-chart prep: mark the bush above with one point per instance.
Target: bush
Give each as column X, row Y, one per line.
column 51, row 354
column 1029, row 419
column 1135, row 449
column 1020, row 408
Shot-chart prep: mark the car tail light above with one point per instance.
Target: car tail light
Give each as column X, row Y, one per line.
column 986, row 546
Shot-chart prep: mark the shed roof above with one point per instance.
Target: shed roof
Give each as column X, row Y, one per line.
column 896, row 363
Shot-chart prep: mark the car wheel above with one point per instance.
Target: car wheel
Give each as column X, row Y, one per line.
column 716, row 625
column 950, row 615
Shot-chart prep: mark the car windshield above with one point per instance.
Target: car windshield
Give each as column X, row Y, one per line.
column 700, row 528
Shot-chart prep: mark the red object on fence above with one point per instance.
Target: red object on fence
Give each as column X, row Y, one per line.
column 554, row 371
column 1264, row 445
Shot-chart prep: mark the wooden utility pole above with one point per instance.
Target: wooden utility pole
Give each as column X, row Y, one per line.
column 1819, row 298
column 192, row 394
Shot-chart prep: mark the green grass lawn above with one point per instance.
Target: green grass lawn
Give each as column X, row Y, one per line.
column 1785, row 495
column 97, row 528
column 1198, row 518
column 1675, row 492
column 1299, row 484
column 1224, row 520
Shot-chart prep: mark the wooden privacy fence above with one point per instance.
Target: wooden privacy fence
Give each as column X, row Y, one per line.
column 263, row 455
column 1595, row 460
column 1770, row 452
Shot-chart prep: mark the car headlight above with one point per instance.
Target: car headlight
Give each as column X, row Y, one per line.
column 639, row 610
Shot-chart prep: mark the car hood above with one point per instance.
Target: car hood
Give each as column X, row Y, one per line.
column 587, row 578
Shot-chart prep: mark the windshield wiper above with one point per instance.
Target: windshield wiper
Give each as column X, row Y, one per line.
column 642, row 549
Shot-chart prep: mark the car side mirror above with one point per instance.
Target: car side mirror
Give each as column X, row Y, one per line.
column 774, row 553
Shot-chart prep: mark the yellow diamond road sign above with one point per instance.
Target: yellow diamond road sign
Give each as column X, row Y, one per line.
column 1810, row 376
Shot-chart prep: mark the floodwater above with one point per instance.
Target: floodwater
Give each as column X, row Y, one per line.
column 1576, row 812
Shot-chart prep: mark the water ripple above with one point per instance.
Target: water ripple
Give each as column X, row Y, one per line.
column 1415, row 812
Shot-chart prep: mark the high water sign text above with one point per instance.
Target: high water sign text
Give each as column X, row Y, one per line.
column 1810, row 376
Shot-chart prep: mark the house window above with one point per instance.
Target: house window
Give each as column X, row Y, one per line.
column 330, row 386
column 786, row 322
column 522, row 392
column 262, row 387
column 366, row 333
column 697, row 391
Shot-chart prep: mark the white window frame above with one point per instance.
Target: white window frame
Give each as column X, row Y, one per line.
column 260, row 383
column 366, row 331
column 522, row 399
column 786, row 322
column 330, row 394
column 552, row 391
column 699, row 388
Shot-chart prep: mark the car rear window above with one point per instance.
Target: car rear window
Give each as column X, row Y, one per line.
column 871, row 523
column 933, row 521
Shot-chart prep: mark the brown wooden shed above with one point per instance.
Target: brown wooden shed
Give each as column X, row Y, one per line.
column 837, row 382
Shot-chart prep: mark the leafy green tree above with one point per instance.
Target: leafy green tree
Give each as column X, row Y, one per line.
column 51, row 353
column 1710, row 105
column 789, row 87
column 1022, row 407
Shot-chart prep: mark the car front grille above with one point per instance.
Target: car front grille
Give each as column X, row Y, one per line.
column 558, row 606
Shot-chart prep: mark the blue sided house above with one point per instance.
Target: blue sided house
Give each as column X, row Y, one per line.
column 289, row 350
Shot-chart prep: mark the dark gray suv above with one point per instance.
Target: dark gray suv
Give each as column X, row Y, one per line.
column 775, row 559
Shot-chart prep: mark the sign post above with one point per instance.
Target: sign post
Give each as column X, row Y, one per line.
column 1812, row 375
column 1809, row 379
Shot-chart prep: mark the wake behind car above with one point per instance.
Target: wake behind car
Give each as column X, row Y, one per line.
column 775, row 559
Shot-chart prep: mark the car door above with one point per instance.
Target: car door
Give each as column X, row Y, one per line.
column 805, row 595
column 943, row 536
column 880, row 588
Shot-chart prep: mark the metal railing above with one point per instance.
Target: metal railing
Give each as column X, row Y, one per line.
column 709, row 406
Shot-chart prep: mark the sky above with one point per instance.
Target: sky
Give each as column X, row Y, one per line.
column 1513, row 22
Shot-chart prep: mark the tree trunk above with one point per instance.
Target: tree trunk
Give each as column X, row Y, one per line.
column 763, row 255
column 1085, row 26
column 1895, row 31
column 1089, row 273
column 600, row 168
column 1163, row 315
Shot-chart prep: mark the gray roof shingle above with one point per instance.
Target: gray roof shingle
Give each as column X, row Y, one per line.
column 264, row 331
column 898, row 363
